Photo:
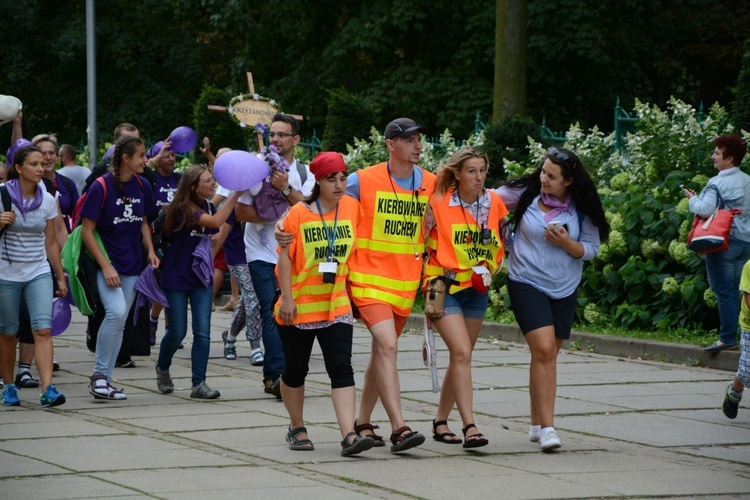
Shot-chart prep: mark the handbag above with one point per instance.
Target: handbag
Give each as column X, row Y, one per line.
column 711, row 234
column 434, row 298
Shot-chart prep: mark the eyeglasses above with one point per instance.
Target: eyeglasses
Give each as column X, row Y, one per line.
column 280, row 135
column 561, row 157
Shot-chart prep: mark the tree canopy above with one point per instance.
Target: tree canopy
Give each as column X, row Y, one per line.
column 432, row 60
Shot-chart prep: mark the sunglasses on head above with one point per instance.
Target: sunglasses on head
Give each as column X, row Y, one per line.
column 561, row 157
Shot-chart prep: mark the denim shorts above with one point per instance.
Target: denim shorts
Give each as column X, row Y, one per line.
column 468, row 302
column 38, row 295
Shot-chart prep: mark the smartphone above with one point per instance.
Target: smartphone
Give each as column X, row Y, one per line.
column 556, row 223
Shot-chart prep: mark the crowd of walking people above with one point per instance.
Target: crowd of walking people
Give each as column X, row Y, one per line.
column 345, row 246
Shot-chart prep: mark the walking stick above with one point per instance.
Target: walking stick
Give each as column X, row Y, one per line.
column 429, row 353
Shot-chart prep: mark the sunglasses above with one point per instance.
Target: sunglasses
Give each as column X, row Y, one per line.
column 561, row 157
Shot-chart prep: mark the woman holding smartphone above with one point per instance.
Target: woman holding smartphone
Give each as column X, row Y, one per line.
column 314, row 304
column 545, row 267
column 462, row 223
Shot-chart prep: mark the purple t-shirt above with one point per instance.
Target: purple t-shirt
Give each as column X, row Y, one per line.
column 234, row 244
column 119, row 224
column 165, row 188
column 177, row 267
column 68, row 194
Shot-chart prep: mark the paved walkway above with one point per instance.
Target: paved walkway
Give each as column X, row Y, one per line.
column 629, row 427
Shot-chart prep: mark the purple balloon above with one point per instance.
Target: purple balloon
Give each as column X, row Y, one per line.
column 60, row 315
column 183, row 139
column 239, row 170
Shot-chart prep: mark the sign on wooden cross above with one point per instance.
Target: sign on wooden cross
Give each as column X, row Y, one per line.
column 251, row 109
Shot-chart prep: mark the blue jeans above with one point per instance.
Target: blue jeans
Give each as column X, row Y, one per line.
column 117, row 303
column 264, row 282
column 38, row 295
column 200, row 305
column 724, row 270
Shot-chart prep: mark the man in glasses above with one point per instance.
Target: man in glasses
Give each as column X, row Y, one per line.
column 260, row 245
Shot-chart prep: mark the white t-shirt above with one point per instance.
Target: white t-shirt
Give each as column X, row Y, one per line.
column 77, row 174
column 23, row 254
column 260, row 243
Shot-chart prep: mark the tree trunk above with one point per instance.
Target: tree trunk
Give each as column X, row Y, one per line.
column 510, row 59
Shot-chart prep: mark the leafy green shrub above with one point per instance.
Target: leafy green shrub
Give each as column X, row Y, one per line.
column 508, row 140
column 349, row 116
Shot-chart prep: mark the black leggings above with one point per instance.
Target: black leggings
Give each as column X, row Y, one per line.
column 335, row 342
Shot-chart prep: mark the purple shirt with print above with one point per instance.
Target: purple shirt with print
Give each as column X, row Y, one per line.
column 119, row 224
column 165, row 188
column 177, row 267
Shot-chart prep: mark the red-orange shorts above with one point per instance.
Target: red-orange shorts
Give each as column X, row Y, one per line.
column 220, row 262
column 373, row 314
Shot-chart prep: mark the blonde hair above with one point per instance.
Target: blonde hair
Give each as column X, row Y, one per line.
column 44, row 138
column 446, row 174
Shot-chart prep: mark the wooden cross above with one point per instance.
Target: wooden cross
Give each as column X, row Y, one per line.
column 251, row 89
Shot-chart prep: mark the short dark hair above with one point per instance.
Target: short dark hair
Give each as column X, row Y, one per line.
column 732, row 145
column 124, row 126
column 67, row 151
column 292, row 121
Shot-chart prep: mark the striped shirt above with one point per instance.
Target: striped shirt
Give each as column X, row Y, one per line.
column 23, row 254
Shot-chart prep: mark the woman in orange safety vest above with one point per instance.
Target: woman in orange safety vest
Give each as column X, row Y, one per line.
column 312, row 274
column 462, row 223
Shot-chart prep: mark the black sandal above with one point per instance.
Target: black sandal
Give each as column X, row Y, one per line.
column 475, row 440
column 298, row 444
column 358, row 428
column 442, row 437
column 404, row 438
column 357, row 445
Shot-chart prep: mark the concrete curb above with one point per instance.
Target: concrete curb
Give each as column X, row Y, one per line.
column 687, row 354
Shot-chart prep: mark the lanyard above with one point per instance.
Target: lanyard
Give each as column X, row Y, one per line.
column 330, row 235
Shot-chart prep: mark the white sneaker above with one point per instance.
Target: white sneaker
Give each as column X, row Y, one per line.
column 549, row 439
column 535, row 434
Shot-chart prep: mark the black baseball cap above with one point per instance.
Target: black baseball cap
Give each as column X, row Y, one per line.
column 403, row 127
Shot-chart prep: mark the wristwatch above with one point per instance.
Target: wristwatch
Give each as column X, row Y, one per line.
column 287, row 190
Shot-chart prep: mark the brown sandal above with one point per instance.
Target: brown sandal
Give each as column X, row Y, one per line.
column 358, row 428
column 404, row 438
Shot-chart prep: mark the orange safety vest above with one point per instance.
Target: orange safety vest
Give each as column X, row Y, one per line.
column 455, row 243
column 384, row 268
column 318, row 301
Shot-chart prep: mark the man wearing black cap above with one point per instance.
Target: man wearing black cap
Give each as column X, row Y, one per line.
column 386, row 269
